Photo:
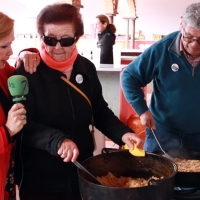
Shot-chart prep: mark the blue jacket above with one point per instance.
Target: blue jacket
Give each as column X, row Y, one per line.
column 175, row 102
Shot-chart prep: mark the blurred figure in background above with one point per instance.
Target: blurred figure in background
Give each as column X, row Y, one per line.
column 106, row 38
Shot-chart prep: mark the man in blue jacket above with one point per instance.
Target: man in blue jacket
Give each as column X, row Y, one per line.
column 173, row 63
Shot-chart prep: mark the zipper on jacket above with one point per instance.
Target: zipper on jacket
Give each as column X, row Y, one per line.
column 193, row 68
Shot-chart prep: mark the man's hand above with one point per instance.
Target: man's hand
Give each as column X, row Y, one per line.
column 147, row 120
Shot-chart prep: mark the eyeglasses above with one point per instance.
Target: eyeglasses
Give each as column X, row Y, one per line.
column 190, row 39
column 64, row 42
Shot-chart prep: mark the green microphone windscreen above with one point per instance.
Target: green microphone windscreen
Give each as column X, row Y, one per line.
column 18, row 87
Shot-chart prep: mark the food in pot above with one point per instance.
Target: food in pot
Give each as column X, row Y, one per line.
column 125, row 182
column 187, row 165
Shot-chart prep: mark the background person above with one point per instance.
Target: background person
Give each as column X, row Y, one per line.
column 173, row 63
column 12, row 118
column 106, row 38
column 58, row 116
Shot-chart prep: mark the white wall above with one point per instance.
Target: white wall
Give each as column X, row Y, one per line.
column 160, row 16
column 154, row 16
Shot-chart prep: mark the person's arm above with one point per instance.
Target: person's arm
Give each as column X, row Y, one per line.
column 43, row 137
column 36, row 134
column 31, row 59
column 4, row 141
column 136, row 75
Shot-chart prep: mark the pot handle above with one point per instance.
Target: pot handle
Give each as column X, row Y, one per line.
column 110, row 150
column 151, row 184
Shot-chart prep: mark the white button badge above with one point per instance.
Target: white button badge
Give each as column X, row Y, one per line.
column 175, row 67
column 79, row 78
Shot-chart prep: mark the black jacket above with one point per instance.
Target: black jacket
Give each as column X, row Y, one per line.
column 56, row 111
column 106, row 42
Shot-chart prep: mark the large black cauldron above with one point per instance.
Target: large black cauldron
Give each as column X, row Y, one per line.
column 122, row 163
column 186, row 179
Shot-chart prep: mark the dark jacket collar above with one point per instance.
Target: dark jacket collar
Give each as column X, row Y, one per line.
column 100, row 35
column 175, row 45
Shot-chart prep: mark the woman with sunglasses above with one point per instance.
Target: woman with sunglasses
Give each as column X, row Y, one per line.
column 59, row 113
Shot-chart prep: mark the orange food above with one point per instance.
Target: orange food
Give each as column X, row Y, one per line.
column 187, row 165
column 124, row 182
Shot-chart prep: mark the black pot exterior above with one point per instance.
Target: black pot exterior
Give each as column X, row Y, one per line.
column 186, row 179
column 124, row 164
column 90, row 191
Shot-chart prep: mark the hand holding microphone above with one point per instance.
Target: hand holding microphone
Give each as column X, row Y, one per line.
column 16, row 120
column 18, row 87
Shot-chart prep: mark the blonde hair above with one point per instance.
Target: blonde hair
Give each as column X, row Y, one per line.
column 6, row 25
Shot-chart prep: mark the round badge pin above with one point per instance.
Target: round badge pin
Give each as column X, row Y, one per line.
column 175, row 67
column 79, row 78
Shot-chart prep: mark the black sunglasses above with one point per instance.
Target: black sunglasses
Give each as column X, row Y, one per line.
column 64, row 42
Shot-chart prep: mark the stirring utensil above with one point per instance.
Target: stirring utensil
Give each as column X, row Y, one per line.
column 165, row 154
column 86, row 171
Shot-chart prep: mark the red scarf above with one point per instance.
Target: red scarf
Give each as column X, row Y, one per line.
column 60, row 66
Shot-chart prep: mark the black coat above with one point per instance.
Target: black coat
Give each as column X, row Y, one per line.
column 56, row 111
column 106, row 42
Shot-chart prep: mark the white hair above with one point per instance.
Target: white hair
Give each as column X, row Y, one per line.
column 191, row 16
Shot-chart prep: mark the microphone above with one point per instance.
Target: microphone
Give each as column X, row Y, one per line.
column 18, row 87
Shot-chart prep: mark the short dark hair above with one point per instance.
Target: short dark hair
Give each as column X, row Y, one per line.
column 60, row 13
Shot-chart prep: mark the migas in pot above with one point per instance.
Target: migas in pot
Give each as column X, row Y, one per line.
column 122, row 163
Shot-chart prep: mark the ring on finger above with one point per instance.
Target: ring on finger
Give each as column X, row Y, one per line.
column 23, row 116
column 63, row 152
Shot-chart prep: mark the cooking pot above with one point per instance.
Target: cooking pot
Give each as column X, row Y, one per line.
column 186, row 179
column 122, row 163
